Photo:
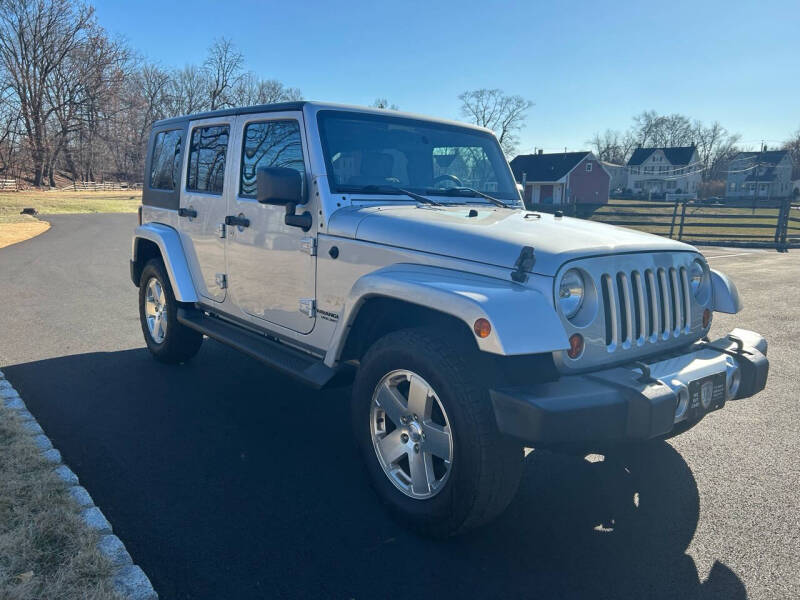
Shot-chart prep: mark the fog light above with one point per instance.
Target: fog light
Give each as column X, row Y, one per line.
column 706, row 318
column 575, row 345
column 482, row 328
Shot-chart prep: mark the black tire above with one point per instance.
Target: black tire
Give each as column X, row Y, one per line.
column 180, row 343
column 486, row 467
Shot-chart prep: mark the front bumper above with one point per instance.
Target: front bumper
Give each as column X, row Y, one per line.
column 640, row 401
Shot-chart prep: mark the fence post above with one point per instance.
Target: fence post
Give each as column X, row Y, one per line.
column 782, row 226
column 674, row 215
column 683, row 218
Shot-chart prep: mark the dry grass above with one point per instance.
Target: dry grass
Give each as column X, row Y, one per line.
column 46, row 551
column 15, row 227
column 59, row 202
column 11, row 233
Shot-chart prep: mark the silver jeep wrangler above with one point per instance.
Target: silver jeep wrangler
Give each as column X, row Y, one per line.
column 324, row 240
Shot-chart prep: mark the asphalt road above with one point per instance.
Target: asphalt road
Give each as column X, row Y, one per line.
column 226, row 480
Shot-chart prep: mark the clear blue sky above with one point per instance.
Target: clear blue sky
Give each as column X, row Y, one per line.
column 587, row 66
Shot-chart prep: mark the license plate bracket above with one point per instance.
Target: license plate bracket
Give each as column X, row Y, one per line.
column 706, row 394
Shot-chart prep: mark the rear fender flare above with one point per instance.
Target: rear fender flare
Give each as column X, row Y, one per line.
column 169, row 244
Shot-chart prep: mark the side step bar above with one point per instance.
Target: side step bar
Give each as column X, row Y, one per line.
column 307, row 369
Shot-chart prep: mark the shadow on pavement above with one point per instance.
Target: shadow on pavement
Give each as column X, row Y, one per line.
column 226, row 480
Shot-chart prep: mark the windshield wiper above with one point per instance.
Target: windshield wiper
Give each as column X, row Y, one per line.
column 460, row 191
column 376, row 189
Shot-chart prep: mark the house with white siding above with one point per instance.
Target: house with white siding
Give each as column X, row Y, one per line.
column 675, row 170
column 764, row 174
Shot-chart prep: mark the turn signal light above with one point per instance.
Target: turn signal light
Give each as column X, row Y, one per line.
column 482, row 328
column 706, row 318
column 575, row 345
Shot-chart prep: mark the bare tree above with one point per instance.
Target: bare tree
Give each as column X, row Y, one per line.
column 36, row 37
column 503, row 114
column 186, row 91
column 715, row 147
column 612, row 146
column 250, row 90
column 652, row 129
column 224, row 71
column 384, row 103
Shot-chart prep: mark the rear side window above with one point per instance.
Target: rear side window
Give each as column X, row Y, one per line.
column 269, row 144
column 165, row 165
column 207, row 150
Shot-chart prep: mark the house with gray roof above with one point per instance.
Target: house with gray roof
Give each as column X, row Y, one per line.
column 561, row 178
column 765, row 174
column 674, row 170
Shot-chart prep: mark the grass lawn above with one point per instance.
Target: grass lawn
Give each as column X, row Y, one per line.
column 15, row 227
column 46, row 550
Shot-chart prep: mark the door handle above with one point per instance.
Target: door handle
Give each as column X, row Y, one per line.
column 239, row 221
column 187, row 212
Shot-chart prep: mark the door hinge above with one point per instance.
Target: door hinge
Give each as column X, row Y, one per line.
column 222, row 280
column 309, row 245
column 308, row 306
column 221, row 230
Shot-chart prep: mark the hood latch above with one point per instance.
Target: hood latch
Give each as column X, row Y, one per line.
column 524, row 264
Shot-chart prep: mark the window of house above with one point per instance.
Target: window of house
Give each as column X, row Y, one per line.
column 588, row 167
column 637, row 185
column 671, row 184
column 207, row 150
column 165, row 165
column 269, row 144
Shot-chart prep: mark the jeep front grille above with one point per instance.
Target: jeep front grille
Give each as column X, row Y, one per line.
column 640, row 304
column 646, row 305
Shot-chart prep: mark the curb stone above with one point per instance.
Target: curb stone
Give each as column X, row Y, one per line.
column 130, row 582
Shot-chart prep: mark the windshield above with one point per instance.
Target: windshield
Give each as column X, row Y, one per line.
column 365, row 152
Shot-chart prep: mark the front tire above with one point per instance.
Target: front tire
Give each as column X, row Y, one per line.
column 427, row 433
column 167, row 339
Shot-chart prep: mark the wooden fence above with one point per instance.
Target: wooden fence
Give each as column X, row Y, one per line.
column 104, row 186
column 767, row 224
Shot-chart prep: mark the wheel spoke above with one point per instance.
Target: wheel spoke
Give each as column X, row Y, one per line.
column 156, row 327
column 419, row 400
column 392, row 448
column 437, row 440
column 149, row 308
column 391, row 401
column 157, row 292
column 421, row 472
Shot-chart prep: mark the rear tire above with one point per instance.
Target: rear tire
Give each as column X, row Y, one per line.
column 167, row 339
column 484, row 467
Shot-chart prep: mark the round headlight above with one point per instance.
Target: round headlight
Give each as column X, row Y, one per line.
column 570, row 293
column 698, row 276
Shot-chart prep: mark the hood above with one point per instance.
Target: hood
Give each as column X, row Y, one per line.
column 494, row 235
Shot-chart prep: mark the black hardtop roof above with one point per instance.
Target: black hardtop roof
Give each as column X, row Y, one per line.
column 241, row 110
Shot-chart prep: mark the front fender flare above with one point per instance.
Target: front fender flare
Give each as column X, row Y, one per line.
column 169, row 244
column 726, row 296
column 523, row 321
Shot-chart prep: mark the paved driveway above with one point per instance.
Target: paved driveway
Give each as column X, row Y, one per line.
column 226, row 480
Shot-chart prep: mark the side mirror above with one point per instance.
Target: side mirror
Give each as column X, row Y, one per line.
column 278, row 185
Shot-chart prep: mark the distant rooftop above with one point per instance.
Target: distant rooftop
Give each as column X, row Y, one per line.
column 545, row 167
column 677, row 155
